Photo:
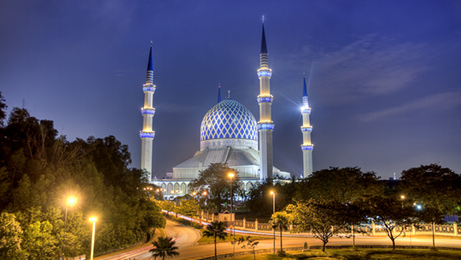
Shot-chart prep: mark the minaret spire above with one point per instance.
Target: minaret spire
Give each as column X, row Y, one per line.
column 219, row 93
column 306, row 129
column 148, row 111
column 265, row 124
column 263, row 41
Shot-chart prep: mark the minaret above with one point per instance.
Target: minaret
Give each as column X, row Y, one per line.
column 148, row 111
column 306, row 129
column 265, row 124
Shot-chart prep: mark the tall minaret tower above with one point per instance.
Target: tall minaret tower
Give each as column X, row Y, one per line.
column 265, row 124
column 148, row 111
column 306, row 129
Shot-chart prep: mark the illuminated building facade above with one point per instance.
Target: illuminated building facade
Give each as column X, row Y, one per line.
column 306, row 129
column 229, row 135
column 148, row 111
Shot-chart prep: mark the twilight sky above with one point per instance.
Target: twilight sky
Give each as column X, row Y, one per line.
column 384, row 76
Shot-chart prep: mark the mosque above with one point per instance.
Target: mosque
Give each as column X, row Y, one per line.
column 229, row 134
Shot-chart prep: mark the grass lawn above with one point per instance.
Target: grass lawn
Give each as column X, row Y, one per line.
column 361, row 254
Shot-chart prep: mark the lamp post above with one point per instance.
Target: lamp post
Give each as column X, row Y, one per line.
column 404, row 231
column 273, row 210
column 231, row 175
column 70, row 201
column 93, row 219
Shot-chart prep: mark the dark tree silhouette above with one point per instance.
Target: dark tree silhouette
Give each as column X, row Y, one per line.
column 164, row 247
column 216, row 230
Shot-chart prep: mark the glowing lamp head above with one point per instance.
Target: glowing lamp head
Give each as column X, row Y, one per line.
column 204, row 193
column 419, row 206
column 402, row 197
column 272, row 192
column 71, row 201
column 93, row 219
column 194, row 193
column 231, row 175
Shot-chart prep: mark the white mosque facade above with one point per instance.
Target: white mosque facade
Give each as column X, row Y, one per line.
column 230, row 134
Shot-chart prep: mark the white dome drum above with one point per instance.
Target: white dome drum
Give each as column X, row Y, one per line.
column 229, row 123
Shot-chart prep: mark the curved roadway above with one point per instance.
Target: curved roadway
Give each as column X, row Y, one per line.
column 187, row 237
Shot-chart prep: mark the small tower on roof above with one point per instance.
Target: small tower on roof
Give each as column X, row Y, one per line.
column 265, row 124
column 219, row 93
column 306, row 129
column 148, row 111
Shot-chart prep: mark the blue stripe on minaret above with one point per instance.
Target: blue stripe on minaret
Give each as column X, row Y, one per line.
column 149, row 64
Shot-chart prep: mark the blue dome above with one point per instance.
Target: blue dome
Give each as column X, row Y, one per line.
column 229, row 120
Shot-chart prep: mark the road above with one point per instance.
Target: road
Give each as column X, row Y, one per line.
column 187, row 237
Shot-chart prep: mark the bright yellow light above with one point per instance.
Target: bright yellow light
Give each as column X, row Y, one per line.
column 194, row 193
column 204, row 193
column 231, row 175
column 93, row 219
column 402, row 197
column 272, row 192
column 71, row 201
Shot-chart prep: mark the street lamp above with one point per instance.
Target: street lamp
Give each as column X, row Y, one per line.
column 402, row 197
column 273, row 210
column 93, row 219
column 231, row 175
column 70, row 201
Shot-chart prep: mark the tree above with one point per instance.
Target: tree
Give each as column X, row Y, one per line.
column 188, row 207
column 216, row 230
column 3, row 106
column 215, row 180
column 432, row 186
column 390, row 213
column 260, row 200
column 280, row 220
column 38, row 169
column 435, row 188
column 323, row 218
column 10, row 237
column 167, row 205
column 343, row 185
column 164, row 247
column 39, row 241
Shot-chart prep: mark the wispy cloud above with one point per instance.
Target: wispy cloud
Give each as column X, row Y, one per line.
column 437, row 102
column 370, row 66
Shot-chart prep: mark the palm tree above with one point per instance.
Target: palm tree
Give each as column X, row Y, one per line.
column 164, row 246
column 216, row 230
column 280, row 220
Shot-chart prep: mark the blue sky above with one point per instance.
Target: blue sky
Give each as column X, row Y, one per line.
column 384, row 76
